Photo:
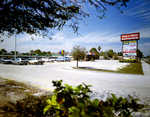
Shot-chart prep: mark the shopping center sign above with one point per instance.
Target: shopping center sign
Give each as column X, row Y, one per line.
column 130, row 45
column 132, row 36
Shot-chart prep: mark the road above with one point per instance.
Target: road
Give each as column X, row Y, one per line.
column 102, row 83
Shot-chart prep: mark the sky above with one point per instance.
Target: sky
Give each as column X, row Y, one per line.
column 93, row 31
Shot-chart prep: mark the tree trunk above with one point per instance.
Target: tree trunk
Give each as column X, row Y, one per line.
column 77, row 62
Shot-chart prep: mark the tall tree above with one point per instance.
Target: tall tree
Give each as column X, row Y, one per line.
column 110, row 53
column 140, row 54
column 3, row 50
column 78, row 52
column 99, row 49
column 44, row 52
column 32, row 51
column 38, row 51
column 48, row 53
column 37, row 16
column 94, row 50
column 13, row 52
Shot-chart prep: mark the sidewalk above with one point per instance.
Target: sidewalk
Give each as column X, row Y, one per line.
column 146, row 68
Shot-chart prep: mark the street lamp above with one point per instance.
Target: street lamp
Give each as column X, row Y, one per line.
column 65, row 44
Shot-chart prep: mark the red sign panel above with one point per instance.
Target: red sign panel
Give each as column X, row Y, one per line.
column 132, row 36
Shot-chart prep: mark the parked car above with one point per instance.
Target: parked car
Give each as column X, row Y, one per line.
column 5, row 61
column 20, row 61
column 51, row 59
column 46, row 59
column 61, row 59
column 35, row 61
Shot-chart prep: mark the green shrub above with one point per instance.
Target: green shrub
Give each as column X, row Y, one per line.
column 128, row 61
column 69, row 101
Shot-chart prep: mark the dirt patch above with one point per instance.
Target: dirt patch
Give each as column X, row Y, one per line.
column 12, row 92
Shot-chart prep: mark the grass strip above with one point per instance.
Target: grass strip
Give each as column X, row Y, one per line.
column 133, row 68
column 147, row 62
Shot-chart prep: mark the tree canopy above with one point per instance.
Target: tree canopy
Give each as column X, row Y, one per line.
column 139, row 53
column 37, row 16
column 94, row 50
column 78, row 53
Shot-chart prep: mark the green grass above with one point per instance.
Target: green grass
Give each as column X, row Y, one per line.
column 147, row 62
column 133, row 68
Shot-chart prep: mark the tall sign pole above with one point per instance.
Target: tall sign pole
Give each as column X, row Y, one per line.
column 130, row 45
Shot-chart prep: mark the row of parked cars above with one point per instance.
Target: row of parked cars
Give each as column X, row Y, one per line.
column 35, row 61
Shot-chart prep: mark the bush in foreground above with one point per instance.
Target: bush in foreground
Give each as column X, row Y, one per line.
column 69, row 101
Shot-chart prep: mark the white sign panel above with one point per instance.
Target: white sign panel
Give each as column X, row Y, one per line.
column 129, row 49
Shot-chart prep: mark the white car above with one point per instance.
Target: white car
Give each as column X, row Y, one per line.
column 35, row 61
column 48, row 59
column 20, row 61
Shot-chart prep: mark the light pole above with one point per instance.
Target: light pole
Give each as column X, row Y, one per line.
column 65, row 44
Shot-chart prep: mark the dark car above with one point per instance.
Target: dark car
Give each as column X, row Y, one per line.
column 5, row 61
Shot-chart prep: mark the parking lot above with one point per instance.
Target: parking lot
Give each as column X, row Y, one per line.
column 103, row 83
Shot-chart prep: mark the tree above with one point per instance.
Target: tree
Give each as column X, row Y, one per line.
column 94, row 50
column 43, row 52
column 3, row 50
column 101, row 53
column 38, row 51
column 78, row 52
column 31, row 51
column 105, row 55
column 110, row 53
column 48, row 52
column 140, row 54
column 120, row 54
column 99, row 49
column 37, row 16
column 13, row 52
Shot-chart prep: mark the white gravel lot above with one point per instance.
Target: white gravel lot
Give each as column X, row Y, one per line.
column 102, row 83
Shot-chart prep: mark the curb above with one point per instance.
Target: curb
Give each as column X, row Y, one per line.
column 118, row 68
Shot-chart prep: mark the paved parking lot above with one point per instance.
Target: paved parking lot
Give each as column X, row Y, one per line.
column 102, row 83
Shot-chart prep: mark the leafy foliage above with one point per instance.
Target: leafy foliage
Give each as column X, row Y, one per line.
column 31, row 106
column 94, row 50
column 37, row 16
column 78, row 53
column 140, row 54
column 128, row 61
column 69, row 101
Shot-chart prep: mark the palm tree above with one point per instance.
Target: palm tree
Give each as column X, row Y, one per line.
column 99, row 48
